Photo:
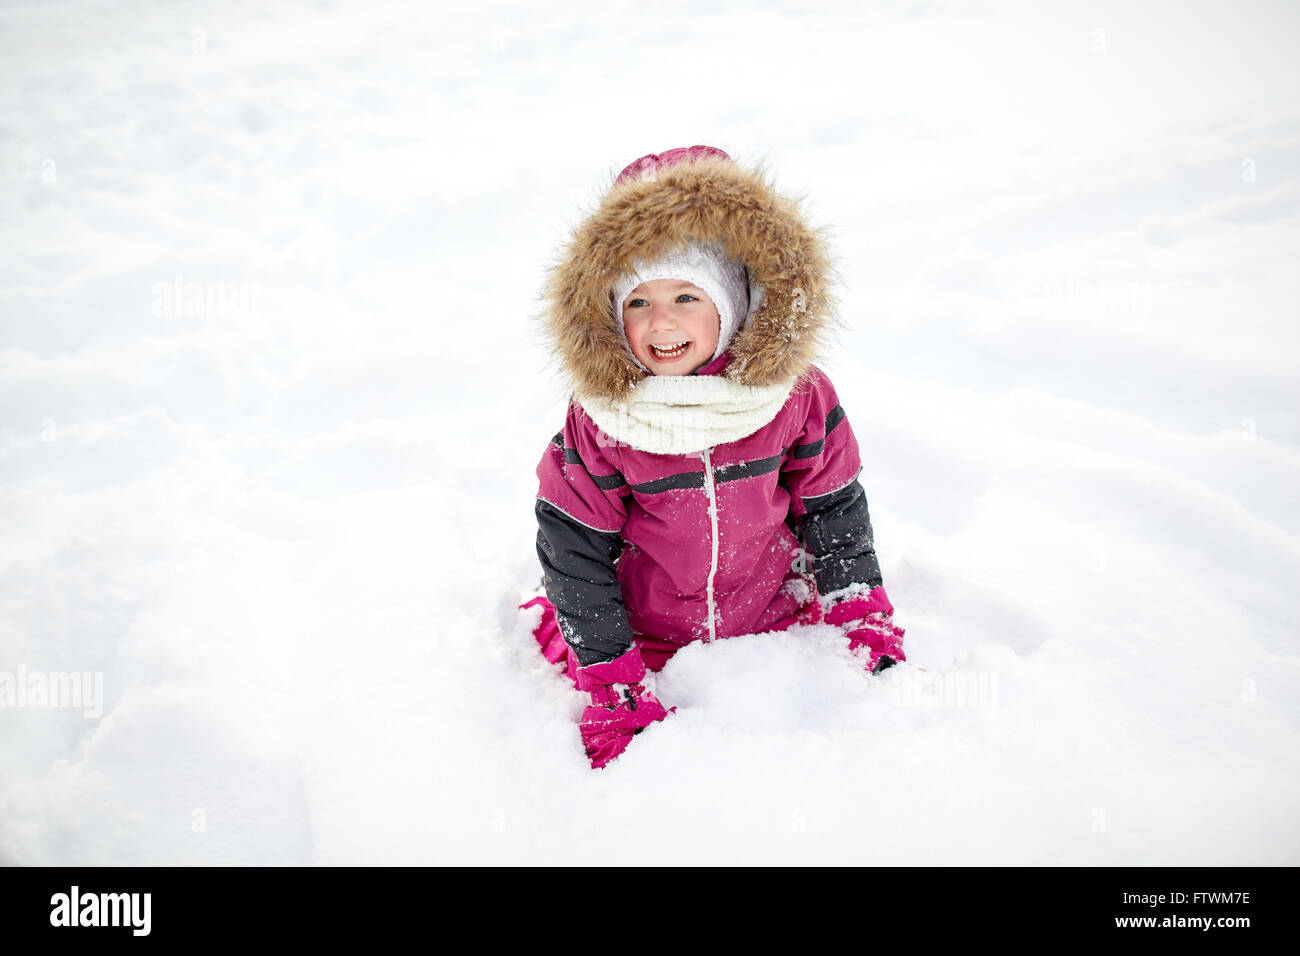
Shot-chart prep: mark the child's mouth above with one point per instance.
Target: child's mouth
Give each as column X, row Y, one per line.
column 669, row 351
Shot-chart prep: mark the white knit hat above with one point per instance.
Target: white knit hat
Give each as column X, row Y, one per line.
column 706, row 266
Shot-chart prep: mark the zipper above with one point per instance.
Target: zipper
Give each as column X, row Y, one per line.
column 711, row 490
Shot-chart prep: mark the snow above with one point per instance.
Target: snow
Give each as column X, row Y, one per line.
column 272, row 393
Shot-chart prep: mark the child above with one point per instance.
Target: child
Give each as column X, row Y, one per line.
column 704, row 461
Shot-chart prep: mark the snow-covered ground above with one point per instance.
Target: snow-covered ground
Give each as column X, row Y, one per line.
column 272, row 394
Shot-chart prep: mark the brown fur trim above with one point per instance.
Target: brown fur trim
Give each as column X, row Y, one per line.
column 706, row 200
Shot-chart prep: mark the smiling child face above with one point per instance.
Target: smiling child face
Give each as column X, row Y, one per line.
column 671, row 325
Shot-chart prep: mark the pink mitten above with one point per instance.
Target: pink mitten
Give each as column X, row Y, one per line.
column 620, row 707
column 867, row 622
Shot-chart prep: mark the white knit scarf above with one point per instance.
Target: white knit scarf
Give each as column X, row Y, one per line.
column 685, row 414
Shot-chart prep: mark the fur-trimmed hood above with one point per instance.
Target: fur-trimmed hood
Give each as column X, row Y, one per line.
column 706, row 200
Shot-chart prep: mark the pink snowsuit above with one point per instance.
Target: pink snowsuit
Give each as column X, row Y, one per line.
column 706, row 543
column 740, row 537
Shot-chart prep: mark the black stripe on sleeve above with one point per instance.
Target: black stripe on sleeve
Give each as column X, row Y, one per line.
column 814, row 448
column 603, row 482
column 834, row 418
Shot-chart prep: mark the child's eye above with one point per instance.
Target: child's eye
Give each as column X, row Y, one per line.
column 686, row 297
column 636, row 303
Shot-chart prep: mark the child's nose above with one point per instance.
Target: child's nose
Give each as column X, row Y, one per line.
column 662, row 316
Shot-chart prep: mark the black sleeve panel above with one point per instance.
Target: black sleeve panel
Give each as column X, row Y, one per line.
column 837, row 533
column 578, row 565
